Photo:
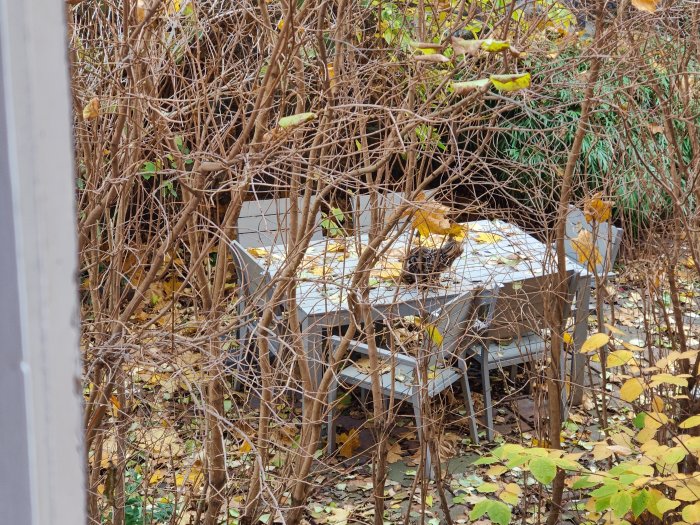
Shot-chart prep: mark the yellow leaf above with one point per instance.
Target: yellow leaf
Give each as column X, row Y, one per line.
column 614, row 329
column 618, row 358
column 497, row 470
column 433, row 333
column 658, row 379
column 488, row 238
column 692, row 421
column 665, row 504
column 430, row 218
column 596, row 209
column 511, row 82
column 349, row 442
column 645, row 5
column 245, row 447
column 691, row 513
column 389, row 270
column 646, row 434
column 258, row 252
column 631, row 389
column 494, row 46
column 458, row 231
column 92, row 109
column 140, row 10
column 594, row 342
column 586, row 250
column 568, row 338
column 156, row 476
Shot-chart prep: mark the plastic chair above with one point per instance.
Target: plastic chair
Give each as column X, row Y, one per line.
column 515, row 313
column 452, row 322
column 267, row 222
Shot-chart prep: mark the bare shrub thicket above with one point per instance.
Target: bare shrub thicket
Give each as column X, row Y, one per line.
column 177, row 107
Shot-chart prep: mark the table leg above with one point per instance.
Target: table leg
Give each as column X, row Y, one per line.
column 578, row 360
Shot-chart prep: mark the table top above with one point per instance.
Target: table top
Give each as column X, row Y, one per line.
column 495, row 253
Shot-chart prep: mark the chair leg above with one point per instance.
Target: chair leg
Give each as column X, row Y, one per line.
column 486, row 385
column 332, row 395
column 415, row 401
column 513, row 373
column 471, row 413
column 469, row 403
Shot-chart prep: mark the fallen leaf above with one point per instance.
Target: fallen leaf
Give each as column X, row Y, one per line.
column 349, row 442
column 394, row 453
column 488, row 238
column 92, row 109
column 645, row 5
column 258, row 252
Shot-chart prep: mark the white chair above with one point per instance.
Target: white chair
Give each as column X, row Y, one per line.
column 267, row 222
column 452, row 322
column 512, row 330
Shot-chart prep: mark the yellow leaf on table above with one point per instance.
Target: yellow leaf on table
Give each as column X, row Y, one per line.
column 388, row 270
column 349, row 442
column 258, row 252
column 92, row 109
column 509, row 83
column 594, row 342
column 458, row 231
column 586, row 250
column 596, row 209
column 488, row 238
column 631, row 389
column 645, row 5
column 430, row 218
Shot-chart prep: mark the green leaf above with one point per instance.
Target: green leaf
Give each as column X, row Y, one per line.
column 462, row 88
column 639, row 420
column 487, row 487
column 639, row 502
column 621, row 503
column 485, row 460
column 295, row 120
column 265, row 518
column 498, row 511
column 583, row 483
column 605, row 490
column 511, row 82
column 543, row 469
column 149, row 170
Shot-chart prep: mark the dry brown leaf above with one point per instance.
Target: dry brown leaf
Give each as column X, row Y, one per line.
column 645, row 5
column 92, row 109
column 394, row 453
column 586, row 250
column 161, row 442
column 597, row 209
column 430, row 218
column 349, row 442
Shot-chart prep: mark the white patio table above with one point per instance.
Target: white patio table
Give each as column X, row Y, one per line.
column 495, row 253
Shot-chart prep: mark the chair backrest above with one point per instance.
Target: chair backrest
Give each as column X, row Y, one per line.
column 451, row 324
column 250, row 275
column 387, row 203
column 520, row 307
column 607, row 241
column 267, row 222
